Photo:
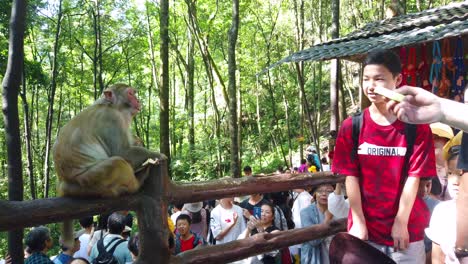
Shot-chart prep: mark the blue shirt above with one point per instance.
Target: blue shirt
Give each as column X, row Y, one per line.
column 62, row 258
column 121, row 253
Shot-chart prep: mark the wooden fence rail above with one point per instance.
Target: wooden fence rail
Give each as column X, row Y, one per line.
column 151, row 203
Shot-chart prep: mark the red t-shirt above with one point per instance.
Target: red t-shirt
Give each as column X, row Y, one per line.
column 186, row 244
column 379, row 163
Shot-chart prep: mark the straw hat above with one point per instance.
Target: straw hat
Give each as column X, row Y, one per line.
column 193, row 207
column 442, row 130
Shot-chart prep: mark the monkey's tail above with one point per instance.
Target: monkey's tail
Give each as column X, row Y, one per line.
column 67, row 234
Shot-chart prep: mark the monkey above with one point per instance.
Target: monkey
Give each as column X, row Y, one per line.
column 95, row 153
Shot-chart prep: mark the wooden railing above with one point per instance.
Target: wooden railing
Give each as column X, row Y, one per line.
column 151, row 202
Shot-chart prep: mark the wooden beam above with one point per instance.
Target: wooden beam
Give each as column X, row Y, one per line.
column 152, row 217
column 230, row 187
column 16, row 215
column 258, row 244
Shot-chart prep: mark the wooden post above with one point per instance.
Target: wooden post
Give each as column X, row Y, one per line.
column 152, row 217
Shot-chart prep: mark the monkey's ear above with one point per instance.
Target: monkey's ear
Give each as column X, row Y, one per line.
column 108, row 95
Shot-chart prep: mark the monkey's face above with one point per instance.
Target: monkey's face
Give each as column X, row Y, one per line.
column 133, row 101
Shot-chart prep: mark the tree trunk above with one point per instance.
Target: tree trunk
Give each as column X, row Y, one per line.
column 27, row 135
column 191, row 94
column 209, row 65
column 11, row 84
column 233, row 126
column 164, row 93
column 154, row 76
column 335, row 69
column 51, row 99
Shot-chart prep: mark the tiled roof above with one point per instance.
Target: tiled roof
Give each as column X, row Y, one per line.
column 428, row 25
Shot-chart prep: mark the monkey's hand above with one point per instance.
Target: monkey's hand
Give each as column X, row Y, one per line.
column 150, row 161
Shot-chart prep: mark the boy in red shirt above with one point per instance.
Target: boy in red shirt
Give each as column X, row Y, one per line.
column 383, row 211
column 186, row 239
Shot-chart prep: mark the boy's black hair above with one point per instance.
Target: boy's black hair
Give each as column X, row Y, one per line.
column 387, row 58
column 86, row 221
column 247, row 169
column 179, row 206
column 184, row 217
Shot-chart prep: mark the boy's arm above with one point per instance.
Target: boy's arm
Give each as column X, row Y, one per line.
column 359, row 228
column 400, row 233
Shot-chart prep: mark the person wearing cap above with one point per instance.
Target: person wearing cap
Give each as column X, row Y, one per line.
column 39, row 242
column 67, row 253
column 442, row 227
column 198, row 214
column 441, row 134
column 126, row 232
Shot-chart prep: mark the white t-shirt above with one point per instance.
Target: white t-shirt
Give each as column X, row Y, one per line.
column 338, row 206
column 222, row 218
column 83, row 252
column 442, row 230
column 175, row 215
column 303, row 200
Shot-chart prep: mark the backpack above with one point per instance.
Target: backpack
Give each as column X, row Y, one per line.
column 410, row 135
column 104, row 256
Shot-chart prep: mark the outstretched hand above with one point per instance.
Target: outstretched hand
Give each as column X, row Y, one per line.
column 418, row 107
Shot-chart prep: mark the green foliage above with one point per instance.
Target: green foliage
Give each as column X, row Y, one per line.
column 272, row 118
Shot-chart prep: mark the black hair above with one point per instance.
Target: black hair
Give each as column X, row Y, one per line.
column 179, row 206
column 102, row 221
column 280, row 168
column 303, row 161
column 247, row 169
column 116, row 223
column 387, row 58
column 184, row 217
column 324, row 160
column 196, row 217
column 36, row 238
column 272, row 209
column 134, row 244
column 80, row 258
column 86, row 221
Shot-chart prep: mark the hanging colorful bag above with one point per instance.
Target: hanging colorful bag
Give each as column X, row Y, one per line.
column 459, row 81
column 448, row 70
column 436, row 67
column 423, row 70
column 410, row 69
column 403, row 57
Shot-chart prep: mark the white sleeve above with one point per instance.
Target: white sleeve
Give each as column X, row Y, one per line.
column 436, row 230
column 215, row 224
column 338, row 206
column 241, row 219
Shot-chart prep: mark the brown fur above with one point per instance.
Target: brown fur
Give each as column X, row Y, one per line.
column 95, row 154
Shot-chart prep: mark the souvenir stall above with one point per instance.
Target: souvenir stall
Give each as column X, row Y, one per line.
column 432, row 44
column 437, row 66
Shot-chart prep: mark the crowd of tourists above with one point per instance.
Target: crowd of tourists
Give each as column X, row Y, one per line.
column 400, row 195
